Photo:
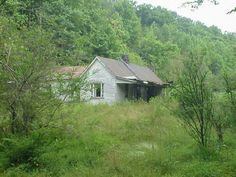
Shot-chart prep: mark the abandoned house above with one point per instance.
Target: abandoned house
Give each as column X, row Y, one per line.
column 110, row 80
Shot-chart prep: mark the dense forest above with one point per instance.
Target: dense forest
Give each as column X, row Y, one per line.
column 76, row 31
column 36, row 126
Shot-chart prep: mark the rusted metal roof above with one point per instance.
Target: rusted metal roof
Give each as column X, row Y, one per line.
column 130, row 71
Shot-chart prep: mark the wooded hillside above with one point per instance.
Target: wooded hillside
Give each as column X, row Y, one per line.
column 187, row 131
column 78, row 30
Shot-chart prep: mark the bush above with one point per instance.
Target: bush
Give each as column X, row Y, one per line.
column 20, row 151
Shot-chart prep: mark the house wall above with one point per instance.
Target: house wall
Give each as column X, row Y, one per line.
column 114, row 89
column 98, row 73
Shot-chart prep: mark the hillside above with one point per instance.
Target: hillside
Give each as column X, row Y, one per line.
column 79, row 30
column 189, row 130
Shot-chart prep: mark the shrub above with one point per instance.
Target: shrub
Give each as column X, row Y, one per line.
column 20, row 151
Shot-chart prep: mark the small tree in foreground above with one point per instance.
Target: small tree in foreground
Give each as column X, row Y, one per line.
column 221, row 116
column 26, row 76
column 224, row 105
column 195, row 100
column 230, row 89
column 26, row 57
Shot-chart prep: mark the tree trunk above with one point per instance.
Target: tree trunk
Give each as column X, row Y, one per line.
column 13, row 118
column 220, row 134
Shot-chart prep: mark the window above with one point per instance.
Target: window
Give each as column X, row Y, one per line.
column 97, row 90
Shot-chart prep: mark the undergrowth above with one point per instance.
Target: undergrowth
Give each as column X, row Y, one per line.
column 135, row 139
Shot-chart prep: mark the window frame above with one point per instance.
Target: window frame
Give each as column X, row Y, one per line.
column 94, row 90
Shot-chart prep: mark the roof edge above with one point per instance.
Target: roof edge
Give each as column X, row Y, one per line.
column 89, row 66
column 110, row 71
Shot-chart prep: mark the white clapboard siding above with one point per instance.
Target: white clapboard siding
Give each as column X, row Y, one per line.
column 97, row 73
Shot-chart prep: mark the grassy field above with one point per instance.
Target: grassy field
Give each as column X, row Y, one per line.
column 132, row 139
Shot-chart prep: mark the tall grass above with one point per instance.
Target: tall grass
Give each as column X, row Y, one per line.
column 135, row 139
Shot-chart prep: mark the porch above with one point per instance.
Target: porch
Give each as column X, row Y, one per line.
column 139, row 91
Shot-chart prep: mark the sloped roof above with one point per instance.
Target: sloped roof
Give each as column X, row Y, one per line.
column 118, row 68
column 145, row 74
column 75, row 71
column 131, row 71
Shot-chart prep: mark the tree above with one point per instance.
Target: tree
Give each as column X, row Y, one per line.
column 26, row 62
column 197, row 3
column 230, row 87
column 126, row 9
column 157, row 54
column 224, row 106
column 195, row 99
column 221, row 116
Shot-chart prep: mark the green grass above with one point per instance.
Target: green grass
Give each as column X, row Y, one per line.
column 131, row 139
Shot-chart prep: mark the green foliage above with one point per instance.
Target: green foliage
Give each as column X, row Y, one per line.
column 223, row 115
column 54, row 151
column 26, row 63
column 128, row 139
column 196, row 4
column 82, row 29
column 195, row 99
column 158, row 55
column 20, row 152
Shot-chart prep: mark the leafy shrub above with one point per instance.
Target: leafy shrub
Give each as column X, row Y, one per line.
column 16, row 151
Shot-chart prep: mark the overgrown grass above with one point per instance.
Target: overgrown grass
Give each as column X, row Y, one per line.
column 131, row 139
